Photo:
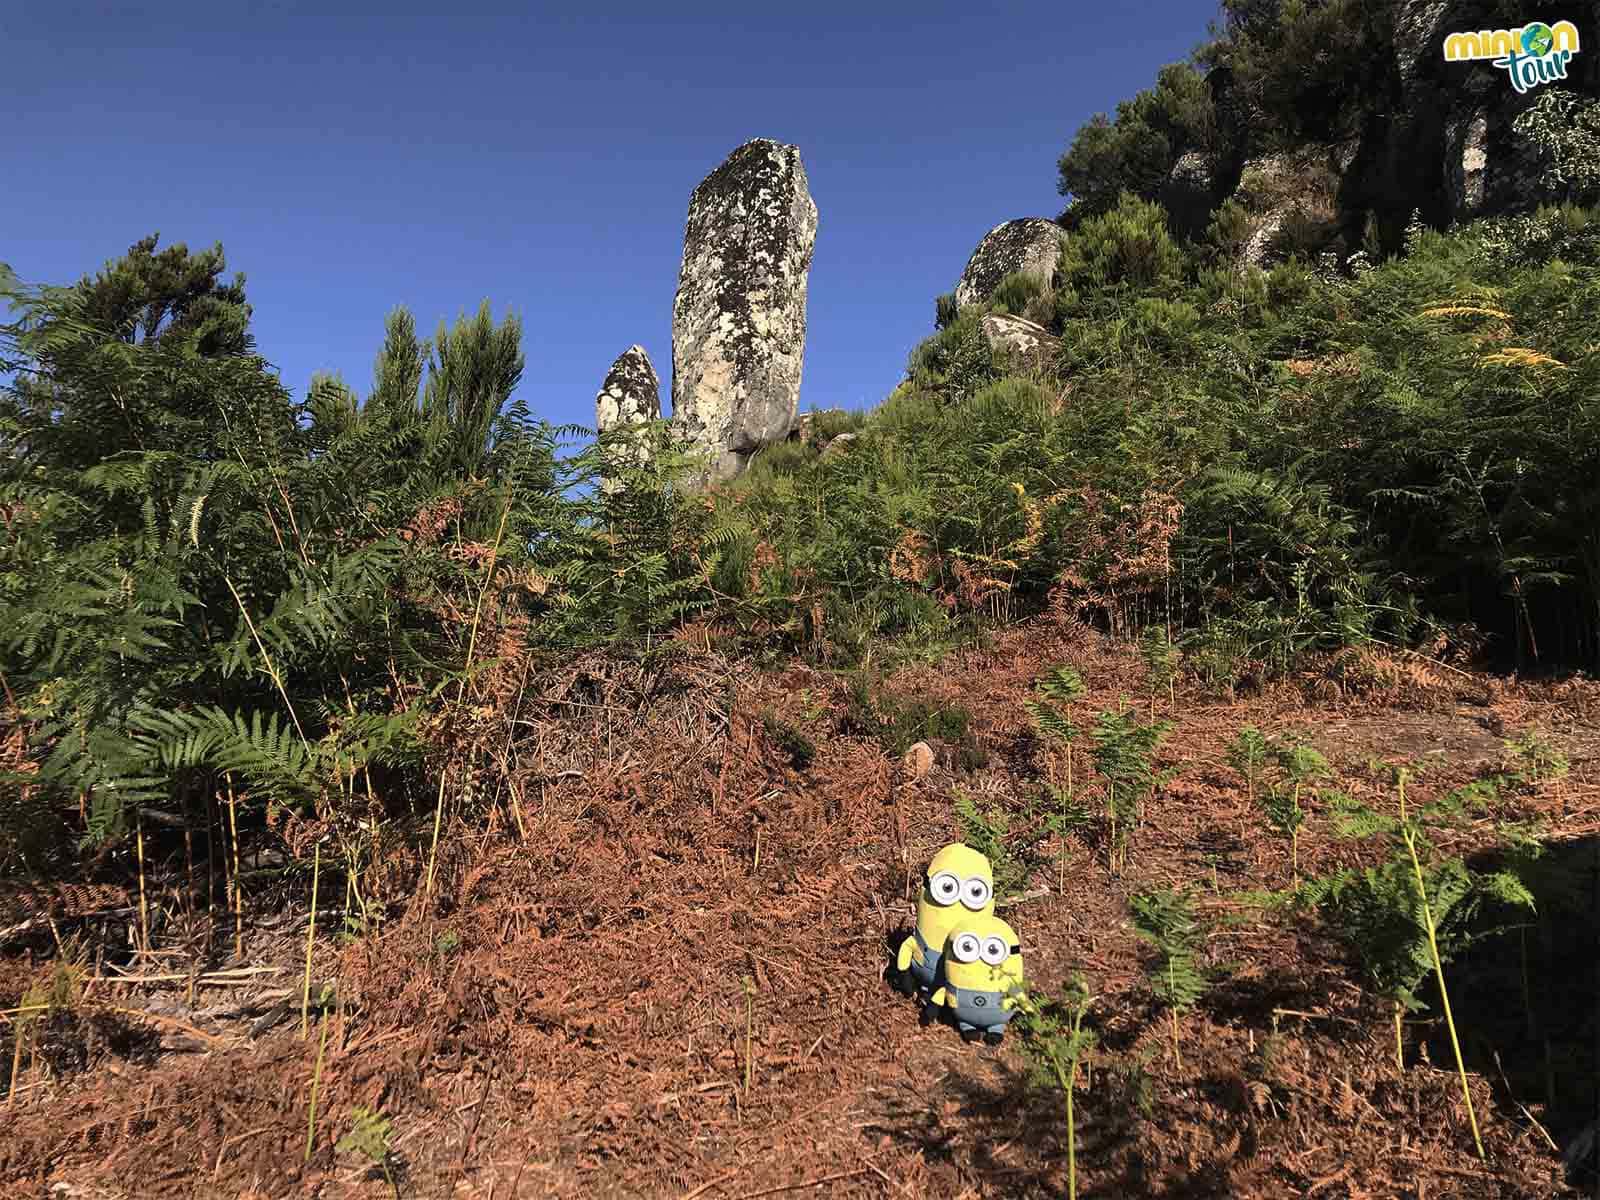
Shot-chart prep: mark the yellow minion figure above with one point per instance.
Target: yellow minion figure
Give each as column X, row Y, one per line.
column 980, row 988
column 957, row 885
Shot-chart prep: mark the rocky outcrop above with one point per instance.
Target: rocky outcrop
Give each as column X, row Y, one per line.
column 1024, row 340
column 838, row 443
column 739, row 317
column 1419, row 29
column 1442, row 142
column 630, row 395
column 1467, row 161
column 631, row 392
column 805, row 428
column 1291, row 201
column 1428, row 137
column 1190, row 193
column 1030, row 245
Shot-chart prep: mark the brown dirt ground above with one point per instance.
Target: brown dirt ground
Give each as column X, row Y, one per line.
column 567, row 1015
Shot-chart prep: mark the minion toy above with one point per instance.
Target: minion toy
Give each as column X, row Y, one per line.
column 957, row 886
column 981, row 985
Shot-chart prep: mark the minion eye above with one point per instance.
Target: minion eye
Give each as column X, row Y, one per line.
column 966, row 947
column 944, row 888
column 975, row 894
column 995, row 951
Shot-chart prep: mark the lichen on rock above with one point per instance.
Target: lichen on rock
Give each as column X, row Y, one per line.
column 1026, row 341
column 1028, row 245
column 630, row 395
column 739, row 316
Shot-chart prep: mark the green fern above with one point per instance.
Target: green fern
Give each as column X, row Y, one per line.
column 1054, row 1042
column 1382, row 913
column 1123, row 754
column 1247, row 754
column 1165, row 919
column 1280, row 803
column 1161, row 659
column 370, row 1135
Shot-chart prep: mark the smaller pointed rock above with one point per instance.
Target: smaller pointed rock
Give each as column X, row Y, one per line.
column 630, row 395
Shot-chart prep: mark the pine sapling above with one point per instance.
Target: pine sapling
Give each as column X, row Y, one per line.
column 1070, row 815
column 1165, row 919
column 1123, row 753
column 1281, row 807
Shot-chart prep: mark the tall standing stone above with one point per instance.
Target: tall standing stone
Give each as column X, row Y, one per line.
column 739, row 318
column 630, row 395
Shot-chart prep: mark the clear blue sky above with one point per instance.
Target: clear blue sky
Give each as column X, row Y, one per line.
column 355, row 156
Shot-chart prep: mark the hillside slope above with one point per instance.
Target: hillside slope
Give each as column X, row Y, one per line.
column 570, row 1016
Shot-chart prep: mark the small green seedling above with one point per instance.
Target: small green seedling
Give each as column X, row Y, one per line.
column 369, row 1135
column 1281, row 806
column 1069, row 816
column 1247, row 754
column 1123, row 754
column 1161, row 658
column 1055, row 1042
column 1052, row 717
column 1165, row 919
column 1536, row 758
column 1281, row 801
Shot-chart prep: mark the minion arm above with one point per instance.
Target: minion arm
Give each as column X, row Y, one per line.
column 903, row 959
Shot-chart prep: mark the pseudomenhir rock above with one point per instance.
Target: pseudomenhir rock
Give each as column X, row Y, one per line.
column 739, row 317
column 630, row 395
column 631, row 392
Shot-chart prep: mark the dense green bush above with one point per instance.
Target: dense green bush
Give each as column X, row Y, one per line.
column 1565, row 129
column 201, row 576
column 1301, row 71
column 957, row 360
column 1135, row 151
column 1015, row 293
column 1126, row 247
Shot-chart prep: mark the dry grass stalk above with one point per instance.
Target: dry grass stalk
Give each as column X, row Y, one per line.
column 311, row 935
column 233, row 838
column 144, row 907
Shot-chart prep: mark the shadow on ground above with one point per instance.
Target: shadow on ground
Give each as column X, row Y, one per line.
column 1527, row 1004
